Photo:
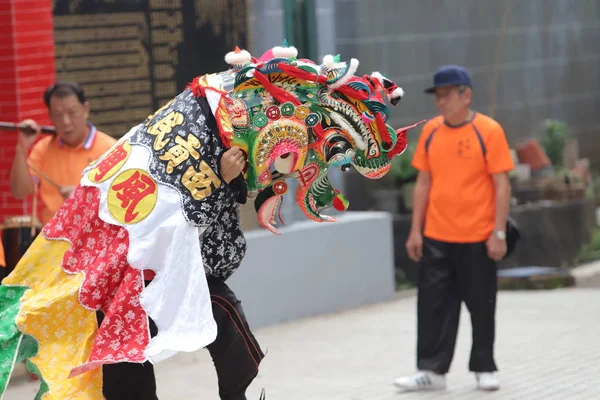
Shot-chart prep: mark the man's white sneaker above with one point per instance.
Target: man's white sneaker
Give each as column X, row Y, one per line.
column 487, row 381
column 422, row 380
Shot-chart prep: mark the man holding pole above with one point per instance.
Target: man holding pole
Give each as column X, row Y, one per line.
column 55, row 162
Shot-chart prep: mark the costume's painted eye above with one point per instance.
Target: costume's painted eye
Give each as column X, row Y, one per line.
column 341, row 156
column 339, row 152
column 341, row 161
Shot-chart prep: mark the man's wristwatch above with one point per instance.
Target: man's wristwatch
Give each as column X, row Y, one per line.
column 500, row 235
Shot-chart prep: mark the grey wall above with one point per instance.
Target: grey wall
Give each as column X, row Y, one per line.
column 316, row 268
column 547, row 58
column 266, row 25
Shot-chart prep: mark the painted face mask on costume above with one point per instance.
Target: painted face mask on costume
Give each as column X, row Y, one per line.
column 296, row 119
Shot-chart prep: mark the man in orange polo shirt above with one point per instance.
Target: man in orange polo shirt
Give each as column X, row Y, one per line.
column 56, row 162
column 461, row 205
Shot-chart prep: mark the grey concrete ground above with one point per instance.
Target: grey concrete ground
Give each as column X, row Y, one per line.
column 547, row 348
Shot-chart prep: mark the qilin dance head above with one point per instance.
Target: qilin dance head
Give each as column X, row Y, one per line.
column 297, row 119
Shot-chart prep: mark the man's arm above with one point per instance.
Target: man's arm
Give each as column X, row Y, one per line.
column 21, row 185
column 420, row 200
column 503, row 196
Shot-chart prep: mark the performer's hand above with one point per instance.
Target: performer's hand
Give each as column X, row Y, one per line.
column 232, row 163
column 29, row 134
column 414, row 246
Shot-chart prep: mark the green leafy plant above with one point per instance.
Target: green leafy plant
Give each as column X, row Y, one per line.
column 553, row 140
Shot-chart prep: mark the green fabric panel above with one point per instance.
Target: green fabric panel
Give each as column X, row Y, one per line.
column 10, row 336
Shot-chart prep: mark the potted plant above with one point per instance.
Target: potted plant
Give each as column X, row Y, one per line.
column 553, row 141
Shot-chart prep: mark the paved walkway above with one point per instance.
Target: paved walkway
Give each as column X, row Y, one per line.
column 547, row 348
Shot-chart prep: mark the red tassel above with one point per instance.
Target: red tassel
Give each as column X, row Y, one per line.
column 197, row 88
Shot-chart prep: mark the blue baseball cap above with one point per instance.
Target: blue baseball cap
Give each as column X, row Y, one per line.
column 450, row 75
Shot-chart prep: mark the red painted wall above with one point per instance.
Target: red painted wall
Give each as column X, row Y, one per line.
column 26, row 70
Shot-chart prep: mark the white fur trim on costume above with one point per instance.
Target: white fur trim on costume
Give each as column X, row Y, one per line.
column 344, row 79
column 398, row 92
column 237, row 58
column 285, row 52
column 338, row 119
column 328, row 61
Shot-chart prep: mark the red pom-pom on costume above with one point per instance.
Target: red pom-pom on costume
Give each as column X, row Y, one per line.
column 339, row 202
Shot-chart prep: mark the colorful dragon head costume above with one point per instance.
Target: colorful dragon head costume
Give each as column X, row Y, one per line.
column 297, row 119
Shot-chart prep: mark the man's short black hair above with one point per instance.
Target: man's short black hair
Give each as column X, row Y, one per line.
column 62, row 90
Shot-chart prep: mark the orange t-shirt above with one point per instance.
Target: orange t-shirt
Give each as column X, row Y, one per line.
column 64, row 165
column 461, row 161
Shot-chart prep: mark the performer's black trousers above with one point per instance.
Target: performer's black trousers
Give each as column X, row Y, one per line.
column 449, row 274
column 235, row 353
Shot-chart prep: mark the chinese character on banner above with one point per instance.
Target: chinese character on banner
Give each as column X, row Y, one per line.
column 132, row 196
column 111, row 163
column 181, row 152
column 200, row 183
column 164, row 127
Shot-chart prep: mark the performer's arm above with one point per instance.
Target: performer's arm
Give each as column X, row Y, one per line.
column 229, row 173
column 232, row 164
column 20, row 181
